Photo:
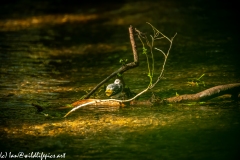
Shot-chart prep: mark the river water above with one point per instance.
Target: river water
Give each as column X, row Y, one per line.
column 52, row 53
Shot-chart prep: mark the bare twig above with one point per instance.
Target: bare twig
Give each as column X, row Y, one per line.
column 154, row 37
column 165, row 59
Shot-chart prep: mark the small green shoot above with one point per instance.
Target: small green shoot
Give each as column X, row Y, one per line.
column 69, row 105
column 119, row 74
column 123, row 61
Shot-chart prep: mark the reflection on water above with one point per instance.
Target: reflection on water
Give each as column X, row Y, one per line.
column 19, row 24
column 53, row 59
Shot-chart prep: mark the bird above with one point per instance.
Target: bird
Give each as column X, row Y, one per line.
column 114, row 88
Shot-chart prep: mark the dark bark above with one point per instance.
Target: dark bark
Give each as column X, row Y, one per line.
column 233, row 89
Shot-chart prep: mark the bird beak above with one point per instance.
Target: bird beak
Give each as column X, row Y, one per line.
column 108, row 92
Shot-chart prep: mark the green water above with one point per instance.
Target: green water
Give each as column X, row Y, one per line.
column 55, row 52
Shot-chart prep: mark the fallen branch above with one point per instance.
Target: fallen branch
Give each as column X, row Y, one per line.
column 233, row 89
column 132, row 65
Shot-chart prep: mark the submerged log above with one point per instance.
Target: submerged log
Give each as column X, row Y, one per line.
column 97, row 102
column 233, row 89
column 93, row 102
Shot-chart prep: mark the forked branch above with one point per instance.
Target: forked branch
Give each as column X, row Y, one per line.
column 134, row 64
column 122, row 69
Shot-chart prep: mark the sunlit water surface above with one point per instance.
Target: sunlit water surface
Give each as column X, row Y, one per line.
column 54, row 59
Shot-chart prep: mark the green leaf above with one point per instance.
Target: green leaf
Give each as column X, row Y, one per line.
column 144, row 50
column 119, row 74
